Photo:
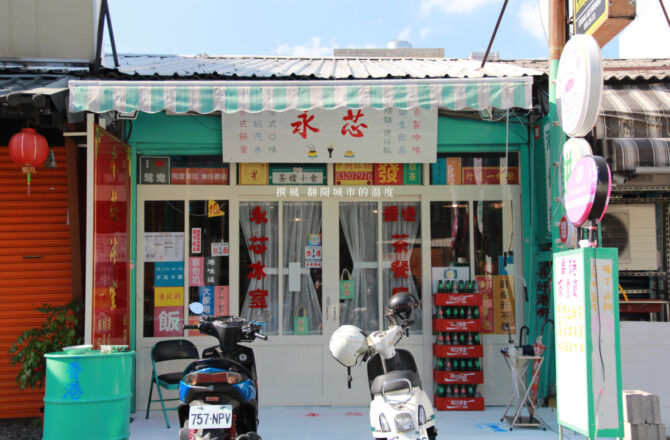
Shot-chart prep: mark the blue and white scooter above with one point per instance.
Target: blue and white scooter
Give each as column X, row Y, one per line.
column 400, row 408
column 219, row 392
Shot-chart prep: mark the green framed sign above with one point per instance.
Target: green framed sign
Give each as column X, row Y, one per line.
column 312, row 175
column 588, row 354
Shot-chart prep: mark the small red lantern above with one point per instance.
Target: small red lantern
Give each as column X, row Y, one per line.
column 28, row 149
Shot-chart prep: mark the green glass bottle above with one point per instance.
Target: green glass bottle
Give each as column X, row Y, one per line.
column 475, row 339
column 470, row 365
column 475, row 312
column 461, row 286
column 440, row 364
column 461, row 339
column 440, row 286
column 448, row 313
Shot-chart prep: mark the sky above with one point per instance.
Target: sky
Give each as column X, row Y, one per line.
column 315, row 28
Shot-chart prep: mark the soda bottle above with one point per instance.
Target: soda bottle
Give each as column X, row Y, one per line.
column 461, row 313
column 440, row 338
column 477, row 393
column 463, row 390
column 440, row 286
column 469, row 338
column 475, row 312
column 461, row 286
column 448, row 392
column 478, row 365
column 468, row 314
column 447, row 286
column 440, row 364
column 461, row 339
column 476, row 339
column 471, row 391
column 447, row 365
column 440, row 312
column 470, row 365
column 456, row 392
column 440, row 391
column 475, row 288
column 448, row 313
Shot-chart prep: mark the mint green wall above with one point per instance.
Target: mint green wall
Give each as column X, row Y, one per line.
column 201, row 134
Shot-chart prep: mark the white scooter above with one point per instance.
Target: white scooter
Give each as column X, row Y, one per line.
column 400, row 408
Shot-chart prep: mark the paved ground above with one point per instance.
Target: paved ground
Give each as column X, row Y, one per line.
column 338, row 423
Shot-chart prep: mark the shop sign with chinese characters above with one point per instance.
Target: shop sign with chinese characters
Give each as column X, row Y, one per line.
column 588, row 360
column 344, row 135
column 110, row 308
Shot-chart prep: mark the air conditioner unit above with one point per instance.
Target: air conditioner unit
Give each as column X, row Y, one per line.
column 632, row 229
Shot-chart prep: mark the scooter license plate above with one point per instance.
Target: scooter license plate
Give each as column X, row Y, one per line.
column 210, row 416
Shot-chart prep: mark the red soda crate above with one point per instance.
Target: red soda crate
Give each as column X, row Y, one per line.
column 457, row 299
column 458, row 351
column 457, row 325
column 450, row 377
column 459, row 403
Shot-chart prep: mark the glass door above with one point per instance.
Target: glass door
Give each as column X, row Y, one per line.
column 281, row 259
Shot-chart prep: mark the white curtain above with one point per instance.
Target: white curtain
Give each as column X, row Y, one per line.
column 250, row 229
column 406, row 224
column 300, row 220
column 359, row 223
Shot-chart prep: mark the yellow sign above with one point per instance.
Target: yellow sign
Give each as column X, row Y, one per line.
column 168, row 296
column 354, row 174
column 214, row 210
column 254, row 173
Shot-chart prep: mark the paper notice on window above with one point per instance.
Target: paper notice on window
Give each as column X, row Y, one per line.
column 294, row 277
column 163, row 246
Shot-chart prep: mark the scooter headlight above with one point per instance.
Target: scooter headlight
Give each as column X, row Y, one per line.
column 404, row 422
column 422, row 415
column 384, row 423
column 202, row 378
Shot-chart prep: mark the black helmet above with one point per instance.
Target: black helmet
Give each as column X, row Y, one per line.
column 401, row 305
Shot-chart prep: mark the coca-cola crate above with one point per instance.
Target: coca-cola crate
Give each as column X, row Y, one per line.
column 457, row 299
column 447, row 377
column 457, row 325
column 459, row 403
column 458, row 351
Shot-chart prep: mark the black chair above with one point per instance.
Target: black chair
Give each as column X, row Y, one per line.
column 167, row 351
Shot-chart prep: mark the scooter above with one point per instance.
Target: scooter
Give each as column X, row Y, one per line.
column 400, row 408
column 219, row 393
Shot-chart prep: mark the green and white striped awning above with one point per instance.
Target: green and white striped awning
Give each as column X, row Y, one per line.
column 255, row 96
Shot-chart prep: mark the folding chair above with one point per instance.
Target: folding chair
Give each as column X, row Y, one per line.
column 166, row 351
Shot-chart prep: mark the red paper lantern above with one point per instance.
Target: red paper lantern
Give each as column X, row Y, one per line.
column 28, row 148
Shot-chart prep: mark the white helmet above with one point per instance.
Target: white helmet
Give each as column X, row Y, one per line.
column 347, row 344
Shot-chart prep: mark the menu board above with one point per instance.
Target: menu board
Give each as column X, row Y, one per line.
column 588, row 364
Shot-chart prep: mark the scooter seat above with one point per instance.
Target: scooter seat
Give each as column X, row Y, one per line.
column 393, row 381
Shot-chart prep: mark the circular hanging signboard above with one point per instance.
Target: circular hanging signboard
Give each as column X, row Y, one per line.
column 579, row 85
column 588, row 190
column 573, row 150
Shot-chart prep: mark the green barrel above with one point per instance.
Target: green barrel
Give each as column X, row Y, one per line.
column 87, row 395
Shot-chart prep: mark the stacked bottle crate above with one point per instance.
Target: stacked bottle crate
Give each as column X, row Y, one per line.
column 458, row 349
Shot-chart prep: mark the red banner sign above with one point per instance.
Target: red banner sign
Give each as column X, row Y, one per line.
column 111, row 264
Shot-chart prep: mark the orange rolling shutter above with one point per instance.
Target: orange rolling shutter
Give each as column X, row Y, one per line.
column 35, row 264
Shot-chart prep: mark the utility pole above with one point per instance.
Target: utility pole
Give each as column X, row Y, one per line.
column 557, row 39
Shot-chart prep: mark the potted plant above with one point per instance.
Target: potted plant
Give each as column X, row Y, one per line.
column 62, row 327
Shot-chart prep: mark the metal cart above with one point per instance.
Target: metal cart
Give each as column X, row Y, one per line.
column 518, row 366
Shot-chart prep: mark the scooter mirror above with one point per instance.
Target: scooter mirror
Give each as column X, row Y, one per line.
column 196, row 308
column 263, row 316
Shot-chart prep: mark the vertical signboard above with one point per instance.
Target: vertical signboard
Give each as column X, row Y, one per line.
column 588, row 363
column 111, row 235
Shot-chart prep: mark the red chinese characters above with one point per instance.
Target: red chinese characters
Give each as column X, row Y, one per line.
column 352, row 127
column 258, row 297
column 301, row 126
column 400, row 243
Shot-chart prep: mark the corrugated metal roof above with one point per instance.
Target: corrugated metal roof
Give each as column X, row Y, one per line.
column 327, row 68
column 614, row 69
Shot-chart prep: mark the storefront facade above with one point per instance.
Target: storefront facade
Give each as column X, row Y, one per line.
column 282, row 233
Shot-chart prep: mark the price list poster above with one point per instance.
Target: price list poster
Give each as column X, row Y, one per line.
column 588, row 361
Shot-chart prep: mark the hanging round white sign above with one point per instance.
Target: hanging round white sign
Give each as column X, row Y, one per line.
column 579, row 85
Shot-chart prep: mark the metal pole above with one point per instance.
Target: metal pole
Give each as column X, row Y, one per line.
column 664, row 12
column 495, row 31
